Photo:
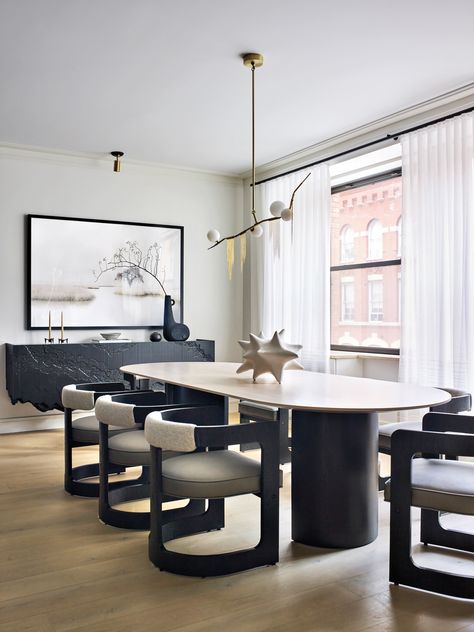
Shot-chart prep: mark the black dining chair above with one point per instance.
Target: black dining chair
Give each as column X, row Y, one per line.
column 84, row 431
column 209, row 471
column 460, row 401
column 131, row 449
column 436, row 485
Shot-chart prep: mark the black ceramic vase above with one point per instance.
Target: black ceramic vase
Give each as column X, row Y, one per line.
column 172, row 330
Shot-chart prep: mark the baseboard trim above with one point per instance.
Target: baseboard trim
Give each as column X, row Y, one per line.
column 31, row 424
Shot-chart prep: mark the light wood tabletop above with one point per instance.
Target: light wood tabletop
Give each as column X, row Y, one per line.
column 299, row 389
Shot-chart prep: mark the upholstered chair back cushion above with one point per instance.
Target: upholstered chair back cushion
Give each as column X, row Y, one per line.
column 169, row 435
column 114, row 413
column 77, row 399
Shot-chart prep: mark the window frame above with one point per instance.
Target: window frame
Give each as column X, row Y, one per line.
column 373, row 263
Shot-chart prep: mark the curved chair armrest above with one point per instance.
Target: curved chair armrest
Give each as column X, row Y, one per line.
column 448, row 422
column 266, row 433
column 109, row 411
column 212, row 414
column 460, row 402
column 407, row 443
column 84, row 396
column 212, row 433
column 141, row 412
column 98, row 394
column 143, row 402
column 198, row 414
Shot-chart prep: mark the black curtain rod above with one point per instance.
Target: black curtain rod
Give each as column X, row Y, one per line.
column 365, row 145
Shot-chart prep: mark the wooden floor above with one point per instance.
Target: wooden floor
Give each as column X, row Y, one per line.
column 61, row 569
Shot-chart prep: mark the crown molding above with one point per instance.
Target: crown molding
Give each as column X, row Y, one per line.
column 443, row 105
column 105, row 161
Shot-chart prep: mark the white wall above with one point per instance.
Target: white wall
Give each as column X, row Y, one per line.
column 50, row 184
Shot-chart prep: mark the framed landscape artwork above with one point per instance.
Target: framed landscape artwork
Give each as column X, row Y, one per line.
column 102, row 274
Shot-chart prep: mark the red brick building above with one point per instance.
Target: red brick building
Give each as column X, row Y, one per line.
column 365, row 228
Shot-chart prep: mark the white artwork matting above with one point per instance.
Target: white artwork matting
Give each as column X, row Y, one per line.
column 102, row 274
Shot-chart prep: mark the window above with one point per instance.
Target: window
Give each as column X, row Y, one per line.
column 374, row 240
column 347, row 244
column 375, row 287
column 365, row 263
column 347, row 299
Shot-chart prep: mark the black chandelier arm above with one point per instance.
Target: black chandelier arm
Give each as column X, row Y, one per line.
column 300, row 184
column 242, row 232
column 262, row 221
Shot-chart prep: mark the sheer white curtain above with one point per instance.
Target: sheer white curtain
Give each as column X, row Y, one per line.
column 437, row 344
column 290, row 273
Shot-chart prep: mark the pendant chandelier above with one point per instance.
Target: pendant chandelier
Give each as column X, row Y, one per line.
column 278, row 210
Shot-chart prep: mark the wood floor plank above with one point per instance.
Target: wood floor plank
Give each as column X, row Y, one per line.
column 62, row 570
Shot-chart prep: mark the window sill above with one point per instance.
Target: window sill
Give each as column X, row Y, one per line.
column 354, row 355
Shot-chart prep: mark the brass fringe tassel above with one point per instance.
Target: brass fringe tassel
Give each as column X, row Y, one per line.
column 230, row 257
column 243, row 250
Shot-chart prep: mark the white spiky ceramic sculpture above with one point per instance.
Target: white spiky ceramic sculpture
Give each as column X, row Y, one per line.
column 269, row 355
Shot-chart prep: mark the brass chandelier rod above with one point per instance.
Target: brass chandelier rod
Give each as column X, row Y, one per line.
column 278, row 209
column 253, row 140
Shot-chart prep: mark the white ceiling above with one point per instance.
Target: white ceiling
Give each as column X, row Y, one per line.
column 162, row 80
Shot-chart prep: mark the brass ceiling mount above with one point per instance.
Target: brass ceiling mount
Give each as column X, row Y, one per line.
column 117, row 155
column 252, row 59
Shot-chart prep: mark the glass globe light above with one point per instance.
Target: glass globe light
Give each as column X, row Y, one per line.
column 276, row 208
column 257, row 231
column 213, row 235
column 287, row 214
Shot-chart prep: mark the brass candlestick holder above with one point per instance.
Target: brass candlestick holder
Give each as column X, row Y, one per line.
column 50, row 338
column 62, row 340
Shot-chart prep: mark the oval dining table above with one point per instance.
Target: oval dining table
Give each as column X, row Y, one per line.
column 334, row 471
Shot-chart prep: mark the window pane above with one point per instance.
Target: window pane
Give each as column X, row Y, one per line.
column 365, row 307
column 365, row 222
column 347, row 300
column 375, row 299
column 375, row 239
column 347, row 244
column 365, row 302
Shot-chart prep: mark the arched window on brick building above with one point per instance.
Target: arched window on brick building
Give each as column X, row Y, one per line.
column 347, row 243
column 374, row 240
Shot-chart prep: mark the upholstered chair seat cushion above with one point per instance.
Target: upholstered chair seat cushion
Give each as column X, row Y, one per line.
column 441, row 485
column 386, row 431
column 86, row 429
column 261, row 411
column 215, row 474
column 129, row 448
column 132, row 449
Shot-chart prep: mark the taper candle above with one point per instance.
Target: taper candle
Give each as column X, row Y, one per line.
column 49, row 325
column 62, row 326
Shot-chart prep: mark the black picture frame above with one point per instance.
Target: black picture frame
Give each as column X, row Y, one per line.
column 60, row 251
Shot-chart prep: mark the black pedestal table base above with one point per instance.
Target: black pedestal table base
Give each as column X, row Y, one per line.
column 334, row 478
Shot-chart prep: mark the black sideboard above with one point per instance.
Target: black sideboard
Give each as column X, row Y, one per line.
column 37, row 373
